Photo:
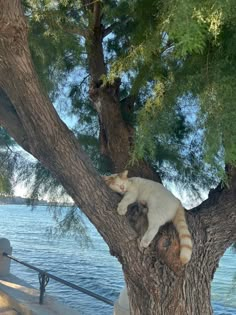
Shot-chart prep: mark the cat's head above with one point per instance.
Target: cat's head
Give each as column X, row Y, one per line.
column 117, row 182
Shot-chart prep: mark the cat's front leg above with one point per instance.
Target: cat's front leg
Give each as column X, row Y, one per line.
column 122, row 208
column 149, row 235
column 147, row 238
column 123, row 205
column 125, row 202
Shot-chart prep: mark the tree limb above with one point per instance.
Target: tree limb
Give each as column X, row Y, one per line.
column 108, row 30
column 97, row 14
column 217, row 218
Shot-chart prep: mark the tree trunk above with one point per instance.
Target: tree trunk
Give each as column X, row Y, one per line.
column 116, row 136
column 157, row 284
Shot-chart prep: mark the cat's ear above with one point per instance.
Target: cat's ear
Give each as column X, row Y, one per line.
column 105, row 177
column 124, row 174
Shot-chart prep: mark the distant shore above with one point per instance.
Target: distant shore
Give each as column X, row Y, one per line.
column 17, row 200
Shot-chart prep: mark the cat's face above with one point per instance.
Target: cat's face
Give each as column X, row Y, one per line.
column 117, row 182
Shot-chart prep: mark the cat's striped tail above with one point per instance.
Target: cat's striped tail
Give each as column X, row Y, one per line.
column 186, row 246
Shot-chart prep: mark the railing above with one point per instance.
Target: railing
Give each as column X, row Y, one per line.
column 44, row 279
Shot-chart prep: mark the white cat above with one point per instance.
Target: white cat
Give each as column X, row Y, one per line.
column 162, row 206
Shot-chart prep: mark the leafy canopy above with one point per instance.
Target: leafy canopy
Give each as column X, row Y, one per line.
column 176, row 58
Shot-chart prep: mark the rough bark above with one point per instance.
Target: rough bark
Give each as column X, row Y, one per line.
column 157, row 284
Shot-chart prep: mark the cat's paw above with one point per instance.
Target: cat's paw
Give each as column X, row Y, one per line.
column 144, row 243
column 142, row 249
column 121, row 209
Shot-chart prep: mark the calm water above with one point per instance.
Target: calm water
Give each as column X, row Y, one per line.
column 92, row 268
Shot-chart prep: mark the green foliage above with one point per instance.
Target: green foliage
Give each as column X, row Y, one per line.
column 54, row 48
column 15, row 168
column 5, row 184
column 176, row 58
column 7, row 162
column 70, row 223
column 67, row 216
column 192, row 24
column 188, row 49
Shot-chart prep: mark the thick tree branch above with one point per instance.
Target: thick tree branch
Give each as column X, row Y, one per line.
column 115, row 143
column 97, row 14
column 94, row 47
column 108, row 30
column 217, row 218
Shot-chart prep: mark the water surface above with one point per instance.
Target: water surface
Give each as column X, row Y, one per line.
column 92, row 268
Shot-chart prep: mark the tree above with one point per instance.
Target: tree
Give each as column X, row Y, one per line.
column 157, row 283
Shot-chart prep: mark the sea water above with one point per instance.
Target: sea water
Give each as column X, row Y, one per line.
column 92, row 268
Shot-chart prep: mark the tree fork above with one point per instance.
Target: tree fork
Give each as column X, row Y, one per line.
column 116, row 136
